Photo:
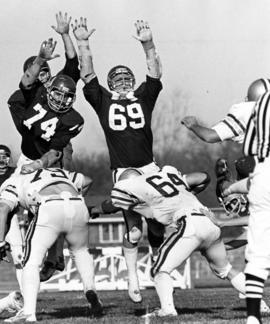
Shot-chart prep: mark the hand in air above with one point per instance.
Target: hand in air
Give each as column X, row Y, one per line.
column 80, row 29
column 63, row 22
column 144, row 33
column 46, row 50
column 189, row 121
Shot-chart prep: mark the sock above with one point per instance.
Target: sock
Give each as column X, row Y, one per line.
column 30, row 283
column 85, row 265
column 254, row 292
column 19, row 277
column 131, row 262
column 238, row 282
column 164, row 288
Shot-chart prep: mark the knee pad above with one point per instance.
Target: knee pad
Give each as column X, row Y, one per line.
column 134, row 235
column 222, row 273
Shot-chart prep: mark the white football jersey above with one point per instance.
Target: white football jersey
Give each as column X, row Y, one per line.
column 23, row 189
column 162, row 195
column 233, row 126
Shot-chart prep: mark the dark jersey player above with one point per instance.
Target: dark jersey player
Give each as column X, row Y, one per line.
column 125, row 116
column 32, row 146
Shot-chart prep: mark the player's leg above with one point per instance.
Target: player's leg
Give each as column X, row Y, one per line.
column 54, row 260
column 77, row 239
column 173, row 252
column 155, row 234
column 131, row 238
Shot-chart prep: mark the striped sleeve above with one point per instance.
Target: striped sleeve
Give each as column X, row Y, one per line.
column 250, row 144
column 9, row 195
column 77, row 179
column 122, row 198
column 230, row 128
column 263, row 126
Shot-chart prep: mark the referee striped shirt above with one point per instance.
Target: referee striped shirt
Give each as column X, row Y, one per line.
column 257, row 138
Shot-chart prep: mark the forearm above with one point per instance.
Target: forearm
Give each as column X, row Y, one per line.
column 241, row 186
column 69, row 46
column 239, row 221
column 86, row 61
column 206, row 134
column 31, row 74
column 152, row 60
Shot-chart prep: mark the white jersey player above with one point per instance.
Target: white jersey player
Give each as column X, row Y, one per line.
column 166, row 196
column 54, row 196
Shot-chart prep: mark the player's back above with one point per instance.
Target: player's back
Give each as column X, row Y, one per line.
column 163, row 195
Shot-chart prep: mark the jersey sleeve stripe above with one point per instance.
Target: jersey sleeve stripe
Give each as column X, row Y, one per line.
column 122, row 199
column 231, row 127
column 74, row 177
column 12, row 192
column 237, row 121
column 125, row 193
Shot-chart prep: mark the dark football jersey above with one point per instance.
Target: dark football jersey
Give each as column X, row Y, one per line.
column 126, row 123
column 6, row 175
column 41, row 128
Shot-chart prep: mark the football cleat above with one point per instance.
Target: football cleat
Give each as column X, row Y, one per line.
column 134, row 293
column 95, row 302
column 252, row 320
column 20, row 317
column 11, row 303
column 161, row 313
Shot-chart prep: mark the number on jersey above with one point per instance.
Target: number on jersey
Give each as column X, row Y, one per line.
column 47, row 126
column 118, row 114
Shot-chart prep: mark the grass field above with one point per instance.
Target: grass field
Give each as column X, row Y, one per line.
column 207, row 305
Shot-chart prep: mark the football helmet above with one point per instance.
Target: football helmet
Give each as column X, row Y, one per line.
column 121, row 79
column 257, row 89
column 5, row 154
column 235, row 204
column 61, row 93
column 45, row 71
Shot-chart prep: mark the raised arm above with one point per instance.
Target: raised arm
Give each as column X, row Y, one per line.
column 144, row 35
column 45, row 54
column 206, row 134
column 82, row 35
column 62, row 28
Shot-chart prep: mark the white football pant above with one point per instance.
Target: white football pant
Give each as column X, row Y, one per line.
column 67, row 215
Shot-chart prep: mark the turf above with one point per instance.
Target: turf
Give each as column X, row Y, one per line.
column 216, row 306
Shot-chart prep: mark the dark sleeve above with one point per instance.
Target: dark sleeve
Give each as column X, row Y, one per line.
column 30, row 94
column 149, row 90
column 66, row 132
column 93, row 93
column 71, row 68
column 16, row 104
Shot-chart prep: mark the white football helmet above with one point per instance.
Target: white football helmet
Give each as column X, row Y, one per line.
column 257, row 89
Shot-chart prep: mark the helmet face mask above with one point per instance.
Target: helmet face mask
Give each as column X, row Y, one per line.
column 61, row 93
column 235, row 204
column 121, row 79
column 4, row 156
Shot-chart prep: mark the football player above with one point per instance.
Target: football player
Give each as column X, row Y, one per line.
column 54, row 196
column 233, row 126
column 14, row 301
column 40, row 135
column 168, row 197
column 125, row 116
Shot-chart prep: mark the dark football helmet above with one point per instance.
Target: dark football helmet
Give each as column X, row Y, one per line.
column 61, row 93
column 121, row 79
column 257, row 89
column 45, row 71
column 5, row 154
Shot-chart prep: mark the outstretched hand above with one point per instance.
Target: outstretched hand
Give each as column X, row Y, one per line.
column 62, row 23
column 80, row 29
column 189, row 121
column 144, row 33
column 46, row 50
